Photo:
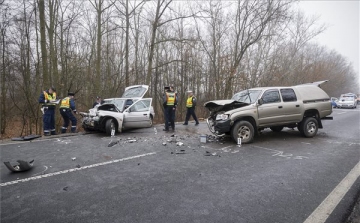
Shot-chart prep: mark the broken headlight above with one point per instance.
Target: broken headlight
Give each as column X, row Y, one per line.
column 222, row 117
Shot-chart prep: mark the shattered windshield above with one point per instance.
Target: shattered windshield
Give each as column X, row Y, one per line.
column 119, row 103
column 247, row 96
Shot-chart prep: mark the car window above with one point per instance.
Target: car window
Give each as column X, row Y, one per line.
column 134, row 92
column 288, row 95
column 271, row 96
column 141, row 106
column 247, row 96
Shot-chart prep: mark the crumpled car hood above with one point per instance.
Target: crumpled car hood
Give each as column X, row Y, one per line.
column 223, row 105
column 108, row 107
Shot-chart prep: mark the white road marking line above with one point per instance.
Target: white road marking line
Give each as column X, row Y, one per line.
column 74, row 169
column 341, row 113
column 323, row 211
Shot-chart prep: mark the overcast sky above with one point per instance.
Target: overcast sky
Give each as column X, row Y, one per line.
column 342, row 19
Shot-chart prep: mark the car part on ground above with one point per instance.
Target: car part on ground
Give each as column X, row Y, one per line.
column 21, row 166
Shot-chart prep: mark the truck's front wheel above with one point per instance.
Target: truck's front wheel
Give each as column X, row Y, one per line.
column 243, row 130
column 309, row 127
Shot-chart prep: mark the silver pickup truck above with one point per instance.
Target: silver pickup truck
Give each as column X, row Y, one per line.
column 252, row 110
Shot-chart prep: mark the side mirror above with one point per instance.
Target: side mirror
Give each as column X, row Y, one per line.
column 260, row 101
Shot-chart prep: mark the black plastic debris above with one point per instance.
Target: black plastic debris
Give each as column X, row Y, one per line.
column 182, row 151
column 207, row 153
column 21, row 166
column 65, row 188
column 26, row 138
column 113, row 143
column 78, row 166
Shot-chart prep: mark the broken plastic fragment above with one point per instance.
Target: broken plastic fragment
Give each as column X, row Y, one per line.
column 22, row 166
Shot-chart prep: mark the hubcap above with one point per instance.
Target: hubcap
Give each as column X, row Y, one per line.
column 244, row 132
column 311, row 127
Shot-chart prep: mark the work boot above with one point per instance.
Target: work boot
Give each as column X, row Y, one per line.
column 73, row 129
column 196, row 123
column 47, row 134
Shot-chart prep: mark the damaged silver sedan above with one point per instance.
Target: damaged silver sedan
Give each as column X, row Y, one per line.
column 117, row 114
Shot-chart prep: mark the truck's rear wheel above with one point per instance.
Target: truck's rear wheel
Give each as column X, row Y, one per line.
column 309, row 127
column 243, row 130
column 110, row 126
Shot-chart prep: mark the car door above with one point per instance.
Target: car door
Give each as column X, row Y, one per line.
column 138, row 114
column 292, row 108
column 270, row 111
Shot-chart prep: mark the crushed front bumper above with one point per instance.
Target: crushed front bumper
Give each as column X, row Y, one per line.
column 219, row 127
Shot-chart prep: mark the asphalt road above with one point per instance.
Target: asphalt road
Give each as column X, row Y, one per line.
column 281, row 177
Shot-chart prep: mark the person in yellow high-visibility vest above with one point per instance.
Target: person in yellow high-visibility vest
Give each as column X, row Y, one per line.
column 170, row 102
column 48, row 100
column 190, row 105
column 67, row 107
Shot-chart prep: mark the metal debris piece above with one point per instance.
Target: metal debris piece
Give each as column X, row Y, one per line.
column 182, row 151
column 164, row 143
column 179, row 143
column 132, row 140
column 73, row 158
column 113, row 143
column 207, row 153
column 22, row 166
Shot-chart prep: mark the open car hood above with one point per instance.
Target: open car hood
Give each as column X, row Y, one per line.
column 135, row 91
column 223, row 105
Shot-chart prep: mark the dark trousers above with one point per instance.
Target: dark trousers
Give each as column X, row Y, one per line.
column 67, row 116
column 169, row 117
column 191, row 112
column 49, row 121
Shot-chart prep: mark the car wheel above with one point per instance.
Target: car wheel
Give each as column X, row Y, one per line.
column 309, row 127
column 151, row 121
column 243, row 130
column 110, row 126
column 277, row 128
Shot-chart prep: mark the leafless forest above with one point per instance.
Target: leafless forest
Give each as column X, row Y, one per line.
column 98, row 47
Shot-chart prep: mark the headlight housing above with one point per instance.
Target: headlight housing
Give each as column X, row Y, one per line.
column 222, row 117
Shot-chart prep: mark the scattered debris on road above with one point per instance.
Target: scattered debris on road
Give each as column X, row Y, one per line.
column 73, row 158
column 22, row 166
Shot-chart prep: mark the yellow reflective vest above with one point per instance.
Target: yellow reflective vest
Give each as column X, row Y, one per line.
column 65, row 103
column 49, row 97
column 189, row 102
column 170, row 98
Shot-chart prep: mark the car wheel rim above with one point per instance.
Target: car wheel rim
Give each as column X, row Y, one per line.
column 311, row 127
column 244, row 132
column 112, row 125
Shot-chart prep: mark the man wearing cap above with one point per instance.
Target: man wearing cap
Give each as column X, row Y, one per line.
column 67, row 107
column 48, row 100
column 190, row 105
column 98, row 101
column 170, row 103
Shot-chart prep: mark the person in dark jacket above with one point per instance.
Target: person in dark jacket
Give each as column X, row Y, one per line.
column 169, row 102
column 48, row 100
column 190, row 105
column 67, row 107
column 98, row 101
